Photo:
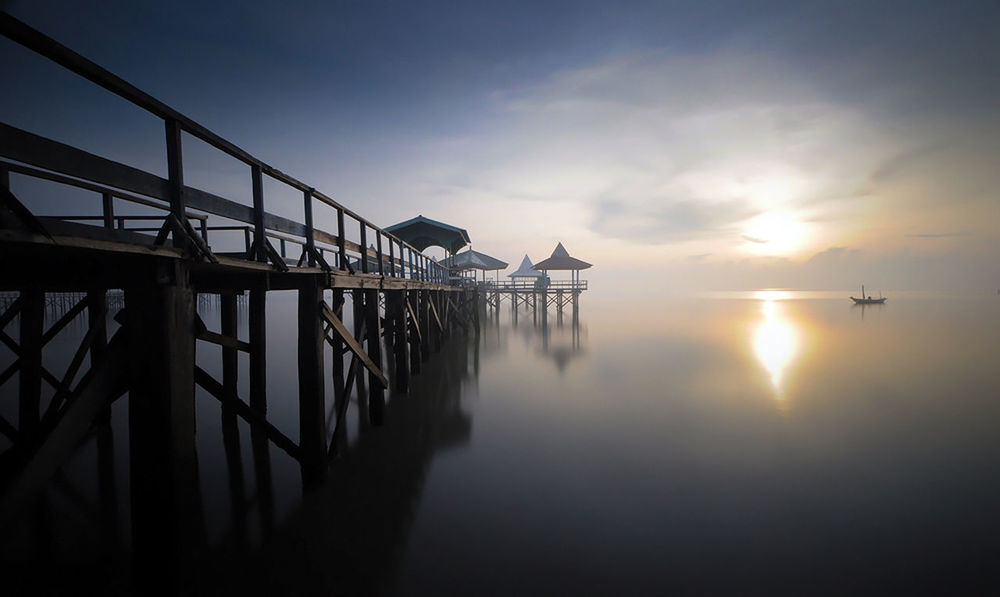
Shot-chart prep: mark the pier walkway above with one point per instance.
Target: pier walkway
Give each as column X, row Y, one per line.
column 157, row 240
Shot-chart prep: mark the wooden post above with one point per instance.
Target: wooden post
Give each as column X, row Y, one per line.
column 258, row 213
column 340, row 393
column 97, row 307
column 376, row 393
column 175, row 179
column 167, row 525
column 358, row 308
column 364, row 247
column 559, row 306
column 337, row 306
column 395, row 307
column 230, row 356
column 425, row 325
column 341, row 246
column 576, row 307
column 415, row 331
column 258, row 349
column 392, row 258
column 30, row 377
column 544, row 296
column 438, row 331
column 230, row 424
column 312, row 407
column 307, row 205
column 108, row 210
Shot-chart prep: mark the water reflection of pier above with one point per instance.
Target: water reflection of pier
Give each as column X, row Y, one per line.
column 347, row 536
column 344, row 535
column 153, row 352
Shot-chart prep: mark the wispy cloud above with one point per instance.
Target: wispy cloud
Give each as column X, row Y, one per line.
column 936, row 234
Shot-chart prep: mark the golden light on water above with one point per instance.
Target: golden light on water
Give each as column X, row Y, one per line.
column 776, row 340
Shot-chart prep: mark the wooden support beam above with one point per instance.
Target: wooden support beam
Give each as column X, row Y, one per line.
column 97, row 313
column 64, row 321
column 433, row 309
column 47, row 456
column 425, row 325
column 8, row 430
column 175, row 182
column 359, row 320
column 220, row 339
column 415, row 333
column 335, row 341
column 395, row 301
column 353, row 345
column 30, row 353
column 339, row 440
column 259, row 231
column 312, row 407
column 9, row 371
column 10, row 313
column 248, row 414
column 258, row 350
column 167, row 523
column 377, row 381
column 230, row 356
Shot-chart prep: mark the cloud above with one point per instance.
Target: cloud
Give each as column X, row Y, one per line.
column 936, row 234
column 753, row 239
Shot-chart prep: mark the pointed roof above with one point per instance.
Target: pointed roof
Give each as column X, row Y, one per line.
column 470, row 259
column 525, row 271
column 372, row 261
column 424, row 232
column 561, row 259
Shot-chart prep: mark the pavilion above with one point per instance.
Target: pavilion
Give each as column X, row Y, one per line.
column 473, row 260
column 561, row 260
column 526, row 270
column 424, row 232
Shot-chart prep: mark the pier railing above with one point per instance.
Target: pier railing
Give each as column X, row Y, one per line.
column 376, row 252
column 538, row 286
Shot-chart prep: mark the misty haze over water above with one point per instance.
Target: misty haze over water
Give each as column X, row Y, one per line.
column 729, row 443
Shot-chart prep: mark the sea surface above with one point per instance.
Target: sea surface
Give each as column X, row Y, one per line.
column 769, row 442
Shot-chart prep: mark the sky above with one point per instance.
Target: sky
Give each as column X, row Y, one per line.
column 714, row 144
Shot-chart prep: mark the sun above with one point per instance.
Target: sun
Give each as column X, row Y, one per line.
column 774, row 233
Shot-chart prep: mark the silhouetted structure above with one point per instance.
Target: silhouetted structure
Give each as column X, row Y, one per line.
column 162, row 265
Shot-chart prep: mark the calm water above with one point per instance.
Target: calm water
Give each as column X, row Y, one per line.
column 732, row 443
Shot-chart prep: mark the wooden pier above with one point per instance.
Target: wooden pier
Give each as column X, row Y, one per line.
column 534, row 297
column 135, row 262
column 399, row 301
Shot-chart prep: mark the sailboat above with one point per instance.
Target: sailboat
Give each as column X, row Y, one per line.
column 868, row 300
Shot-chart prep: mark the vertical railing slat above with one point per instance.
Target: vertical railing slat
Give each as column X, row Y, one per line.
column 310, row 241
column 258, row 213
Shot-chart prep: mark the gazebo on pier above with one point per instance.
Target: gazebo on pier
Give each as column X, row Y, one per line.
column 526, row 274
column 474, row 260
column 424, row 232
column 561, row 292
column 561, row 260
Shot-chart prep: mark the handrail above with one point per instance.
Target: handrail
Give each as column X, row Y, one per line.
column 172, row 189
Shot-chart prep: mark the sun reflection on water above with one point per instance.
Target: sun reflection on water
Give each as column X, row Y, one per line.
column 776, row 341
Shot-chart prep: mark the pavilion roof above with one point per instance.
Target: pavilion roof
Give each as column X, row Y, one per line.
column 470, row 259
column 424, row 232
column 525, row 270
column 561, row 260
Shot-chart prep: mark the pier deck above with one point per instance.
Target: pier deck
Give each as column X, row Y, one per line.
column 163, row 243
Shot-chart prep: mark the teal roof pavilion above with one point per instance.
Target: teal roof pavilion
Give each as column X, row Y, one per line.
column 424, row 232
